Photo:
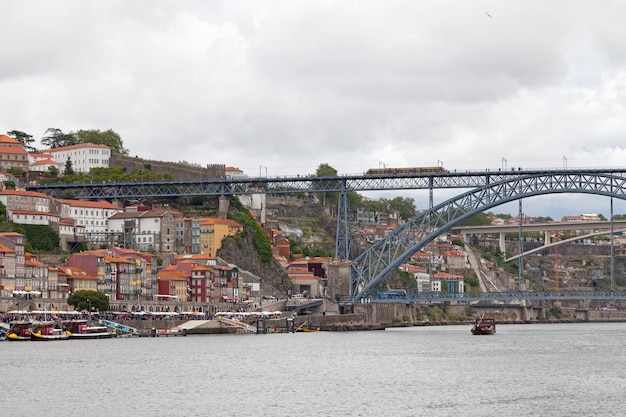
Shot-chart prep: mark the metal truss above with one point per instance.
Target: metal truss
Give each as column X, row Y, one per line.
column 369, row 270
column 375, row 265
column 286, row 185
column 343, row 243
column 468, row 297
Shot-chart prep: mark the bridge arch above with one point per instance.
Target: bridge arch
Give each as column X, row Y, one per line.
column 376, row 264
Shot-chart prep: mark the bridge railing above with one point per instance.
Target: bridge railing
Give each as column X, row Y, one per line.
column 438, row 297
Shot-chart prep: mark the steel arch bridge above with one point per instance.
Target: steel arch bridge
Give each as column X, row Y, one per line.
column 375, row 265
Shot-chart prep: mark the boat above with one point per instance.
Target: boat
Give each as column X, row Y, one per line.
column 46, row 331
column 19, row 331
column 81, row 329
column 304, row 327
column 484, row 325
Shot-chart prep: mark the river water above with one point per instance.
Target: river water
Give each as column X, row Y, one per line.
column 523, row 370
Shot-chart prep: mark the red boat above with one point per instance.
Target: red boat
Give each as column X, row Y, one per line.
column 484, row 325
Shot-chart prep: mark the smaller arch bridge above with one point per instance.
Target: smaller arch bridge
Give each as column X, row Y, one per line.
column 375, row 265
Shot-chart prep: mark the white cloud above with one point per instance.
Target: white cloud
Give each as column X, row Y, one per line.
column 291, row 85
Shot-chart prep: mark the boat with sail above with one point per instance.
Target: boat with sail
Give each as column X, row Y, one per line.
column 485, row 325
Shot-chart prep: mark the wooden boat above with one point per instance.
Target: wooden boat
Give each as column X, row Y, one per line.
column 46, row 331
column 304, row 327
column 80, row 329
column 19, row 331
column 484, row 325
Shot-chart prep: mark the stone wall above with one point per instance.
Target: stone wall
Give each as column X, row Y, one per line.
column 180, row 171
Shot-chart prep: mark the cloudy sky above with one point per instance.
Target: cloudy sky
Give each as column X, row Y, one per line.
column 280, row 87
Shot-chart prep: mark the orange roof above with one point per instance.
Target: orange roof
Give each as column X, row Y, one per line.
column 215, row 220
column 25, row 193
column 77, row 146
column 6, row 249
column 13, row 150
column 8, row 139
column 102, row 204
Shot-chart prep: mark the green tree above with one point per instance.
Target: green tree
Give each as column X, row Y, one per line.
column 109, row 138
column 405, row 207
column 23, row 138
column 328, row 198
column 85, row 299
column 55, row 138
column 69, row 169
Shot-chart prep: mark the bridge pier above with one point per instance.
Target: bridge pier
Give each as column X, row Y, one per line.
column 224, row 204
column 502, row 242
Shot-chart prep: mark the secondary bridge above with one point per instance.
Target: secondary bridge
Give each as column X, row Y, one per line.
column 504, row 296
column 374, row 266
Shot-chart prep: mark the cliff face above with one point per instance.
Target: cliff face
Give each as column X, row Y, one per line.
column 241, row 252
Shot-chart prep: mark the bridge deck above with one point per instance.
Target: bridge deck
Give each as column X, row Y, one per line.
column 437, row 297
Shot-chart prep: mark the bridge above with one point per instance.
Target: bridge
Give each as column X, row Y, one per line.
column 504, row 296
column 370, row 269
column 594, row 228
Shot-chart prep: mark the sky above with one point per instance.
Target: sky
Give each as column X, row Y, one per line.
column 279, row 87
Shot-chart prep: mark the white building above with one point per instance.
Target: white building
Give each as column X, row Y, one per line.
column 90, row 217
column 32, row 217
column 84, row 156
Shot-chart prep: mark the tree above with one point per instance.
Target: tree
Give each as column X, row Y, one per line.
column 69, row 169
column 405, row 207
column 23, row 138
column 108, row 138
column 55, row 138
column 325, row 170
column 86, row 299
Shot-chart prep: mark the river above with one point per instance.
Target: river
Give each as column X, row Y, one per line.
column 523, row 370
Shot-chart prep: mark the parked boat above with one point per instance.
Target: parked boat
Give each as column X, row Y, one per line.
column 80, row 329
column 304, row 327
column 19, row 331
column 45, row 331
column 484, row 325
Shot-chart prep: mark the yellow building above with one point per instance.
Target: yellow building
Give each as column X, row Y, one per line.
column 213, row 231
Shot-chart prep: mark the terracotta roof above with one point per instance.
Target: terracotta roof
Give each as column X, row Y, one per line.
column 13, row 149
column 215, row 220
column 77, row 146
column 102, row 204
column 6, row 249
column 25, row 194
column 8, row 139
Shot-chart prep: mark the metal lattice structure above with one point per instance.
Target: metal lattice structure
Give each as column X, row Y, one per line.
column 370, row 269
column 440, row 297
column 375, row 265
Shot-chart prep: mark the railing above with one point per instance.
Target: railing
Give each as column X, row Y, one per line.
column 438, row 297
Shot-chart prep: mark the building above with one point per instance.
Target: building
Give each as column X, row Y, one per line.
column 147, row 231
column 26, row 200
column 90, row 218
column 12, row 154
column 172, row 283
column 213, row 231
column 83, row 156
column 187, row 235
column 303, row 280
column 453, row 282
column 13, row 263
